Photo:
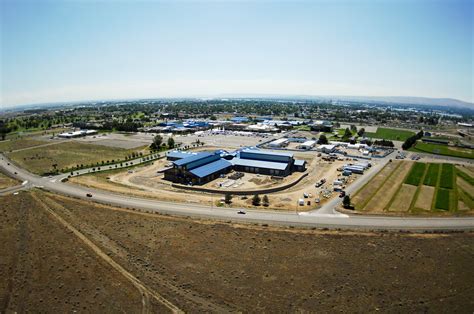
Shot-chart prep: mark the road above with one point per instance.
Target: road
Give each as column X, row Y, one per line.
column 319, row 220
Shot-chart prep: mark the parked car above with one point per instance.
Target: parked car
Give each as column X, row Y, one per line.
column 89, row 195
column 241, row 212
column 342, row 194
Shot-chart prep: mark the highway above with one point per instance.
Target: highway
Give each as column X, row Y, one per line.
column 327, row 219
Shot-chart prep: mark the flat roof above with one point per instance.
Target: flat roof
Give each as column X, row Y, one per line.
column 192, row 158
column 299, row 162
column 260, row 164
column 179, row 154
column 210, row 168
column 308, row 143
column 267, row 152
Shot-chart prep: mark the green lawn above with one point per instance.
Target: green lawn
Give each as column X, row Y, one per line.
column 431, row 177
column 416, row 174
column 447, row 176
column 442, row 199
column 445, row 150
column 68, row 154
column 390, row 134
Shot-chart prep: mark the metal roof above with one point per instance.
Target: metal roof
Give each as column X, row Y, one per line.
column 299, row 162
column 211, row 168
column 266, row 152
column 179, row 154
column 260, row 164
column 192, row 158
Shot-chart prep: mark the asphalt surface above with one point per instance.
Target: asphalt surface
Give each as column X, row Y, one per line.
column 319, row 220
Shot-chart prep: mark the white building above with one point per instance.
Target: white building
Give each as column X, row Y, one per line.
column 326, row 148
column 281, row 142
column 307, row 145
column 77, row 133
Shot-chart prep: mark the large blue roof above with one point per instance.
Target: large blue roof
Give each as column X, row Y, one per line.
column 179, row 154
column 211, row 168
column 260, row 164
column 267, row 152
column 192, row 158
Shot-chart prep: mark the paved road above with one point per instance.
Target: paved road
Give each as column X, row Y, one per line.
column 322, row 220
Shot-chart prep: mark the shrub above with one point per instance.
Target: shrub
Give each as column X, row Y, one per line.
column 256, row 200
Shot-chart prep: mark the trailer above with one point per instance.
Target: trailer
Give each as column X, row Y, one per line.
column 354, row 169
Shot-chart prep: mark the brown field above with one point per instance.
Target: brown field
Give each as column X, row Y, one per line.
column 366, row 192
column 425, row 197
column 468, row 170
column 66, row 154
column 380, row 200
column 14, row 144
column 217, row 267
column 465, row 186
column 403, row 199
column 6, row 181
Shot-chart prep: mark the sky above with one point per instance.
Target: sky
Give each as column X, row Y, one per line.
column 54, row 51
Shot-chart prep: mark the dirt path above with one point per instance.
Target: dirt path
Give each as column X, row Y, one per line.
column 145, row 291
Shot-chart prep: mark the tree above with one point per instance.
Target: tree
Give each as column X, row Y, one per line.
column 361, row 132
column 157, row 141
column 346, row 202
column 322, row 139
column 256, row 200
column 170, row 142
column 353, row 128
column 228, row 198
column 347, row 134
column 266, row 201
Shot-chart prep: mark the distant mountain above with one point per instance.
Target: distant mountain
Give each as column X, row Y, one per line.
column 402, row 100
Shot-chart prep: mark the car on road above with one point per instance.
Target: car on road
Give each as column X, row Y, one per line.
column 241, row 212
column 89, row 195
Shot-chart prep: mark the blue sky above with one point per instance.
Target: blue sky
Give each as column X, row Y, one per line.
column 83, row 50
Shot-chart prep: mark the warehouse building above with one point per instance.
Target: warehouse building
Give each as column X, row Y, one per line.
column 281, row 142
column 200, row 168
column 75, row 134
column 307, row 145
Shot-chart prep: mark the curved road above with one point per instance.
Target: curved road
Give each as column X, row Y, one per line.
column 321, row 220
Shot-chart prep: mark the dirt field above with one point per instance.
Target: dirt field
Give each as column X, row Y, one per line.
column 403, row 198
column 6, row 181
column 425, row 197
column 204, row 266
column 380, row 200
column 67, row 154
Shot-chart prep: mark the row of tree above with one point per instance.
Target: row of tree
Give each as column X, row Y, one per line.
column 412, row 140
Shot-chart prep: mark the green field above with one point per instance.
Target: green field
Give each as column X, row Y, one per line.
column 447, row 176
column 444, row 150
column 432, row 175
column 65, row 155
column 416, row 174
column 442, row 199
column 390, row 134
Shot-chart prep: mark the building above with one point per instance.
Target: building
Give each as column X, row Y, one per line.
column 327, row 148
column 307, row 145
column 177, row 155
column 203, row 167
column 322, row 126
column 75, row 134
column 198, row 169
column 281, row 142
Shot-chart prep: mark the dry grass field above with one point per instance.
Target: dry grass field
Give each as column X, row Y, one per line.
column 200, row 266
column 6, row 181
column 403, row 198
column 9, row 145
column 67, row 154
column 425, row 197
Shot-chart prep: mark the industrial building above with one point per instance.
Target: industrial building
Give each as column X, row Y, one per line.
column 75, row 134
column 307, row 145
column 200, row 168
column 281, row 142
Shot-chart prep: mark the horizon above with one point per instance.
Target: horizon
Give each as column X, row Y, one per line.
column 203, row 49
